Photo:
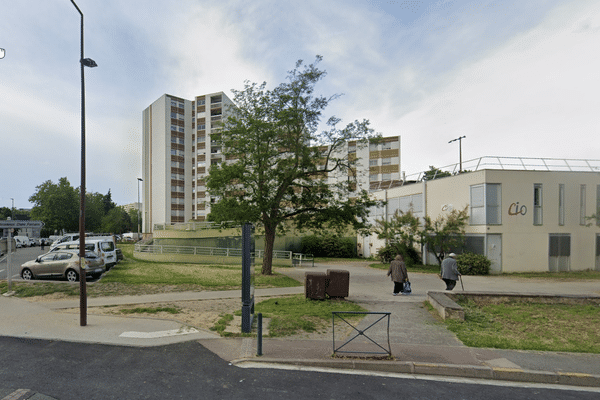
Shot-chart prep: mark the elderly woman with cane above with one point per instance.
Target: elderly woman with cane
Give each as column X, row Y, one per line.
column 398, row 274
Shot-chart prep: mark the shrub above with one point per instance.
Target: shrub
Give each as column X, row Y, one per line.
column 473, row 264
column 328, row 246
column 387, row 253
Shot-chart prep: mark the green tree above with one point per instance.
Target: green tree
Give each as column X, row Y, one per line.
column 403, row 227
column 57, row 205
column 445, row 232
column 435, row 173
column 135, row 217
column 108, row 203
column 94, row 211
column 5, row 212
column 278, row 162
column 116, row 221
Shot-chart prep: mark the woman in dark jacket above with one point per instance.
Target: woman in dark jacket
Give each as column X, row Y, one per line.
column 398, row 274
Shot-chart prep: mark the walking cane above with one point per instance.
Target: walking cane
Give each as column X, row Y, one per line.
column 461, row 284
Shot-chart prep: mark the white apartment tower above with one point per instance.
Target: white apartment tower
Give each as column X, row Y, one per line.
column 177, row 152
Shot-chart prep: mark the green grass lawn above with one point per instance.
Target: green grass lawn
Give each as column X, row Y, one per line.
column 570, row 275
column 530, row 326
column 132, row 276
column 293, row 314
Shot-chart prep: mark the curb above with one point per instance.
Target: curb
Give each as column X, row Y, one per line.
column 451, row 370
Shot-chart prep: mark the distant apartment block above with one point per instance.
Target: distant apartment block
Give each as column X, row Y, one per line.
column 177, row 152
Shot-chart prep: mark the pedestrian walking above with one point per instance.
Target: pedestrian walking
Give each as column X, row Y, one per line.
column 398, row 274
column 449, row 271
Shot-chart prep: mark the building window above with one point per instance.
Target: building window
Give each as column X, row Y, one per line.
column 386, row 177
column 373, row 163
column 386, row 161
column 373, row 178
column 351, row 149
column 386, row 146
column 561, row 204
column 486, row 204
column 582, row 219
column 373, row 147
column 537, row 204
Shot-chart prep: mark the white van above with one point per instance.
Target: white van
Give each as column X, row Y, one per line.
column 104, row 248
column 22, row 241
column 70, row 237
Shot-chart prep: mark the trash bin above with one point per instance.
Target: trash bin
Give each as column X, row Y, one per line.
column 314, row 285
column 339, row 283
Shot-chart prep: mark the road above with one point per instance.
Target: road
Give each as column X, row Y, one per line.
column 19, row 257
column 66, row 371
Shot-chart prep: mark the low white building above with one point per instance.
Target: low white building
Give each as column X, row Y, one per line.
column 530, row 215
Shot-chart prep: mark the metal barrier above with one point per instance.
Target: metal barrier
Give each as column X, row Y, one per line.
column 299, row 258
column 362, row 332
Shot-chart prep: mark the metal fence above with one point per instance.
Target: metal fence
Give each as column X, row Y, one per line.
column 212, row 251
column 361, row 332
column 513, row 163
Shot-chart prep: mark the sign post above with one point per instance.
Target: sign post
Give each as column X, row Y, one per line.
column 247, row 277
column 8, row 261
column 9, row 225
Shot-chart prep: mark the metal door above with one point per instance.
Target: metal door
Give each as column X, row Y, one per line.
column 494, row 252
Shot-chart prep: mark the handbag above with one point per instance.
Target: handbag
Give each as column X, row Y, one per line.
column 407, row 288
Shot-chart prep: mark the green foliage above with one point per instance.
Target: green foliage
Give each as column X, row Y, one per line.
column 277, row 171
column 403, row 227
column 116, row 221
column 529, row 326
column 328, row 246
column 387, row 253
column 57, row 205
column 445, row 233
column 435, row 173
column 222, row 323
column 296, row 313
column 473, row 264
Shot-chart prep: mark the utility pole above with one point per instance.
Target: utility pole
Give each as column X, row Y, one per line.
column 459, row 151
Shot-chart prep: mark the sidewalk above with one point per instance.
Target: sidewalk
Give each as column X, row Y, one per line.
column 419, row 343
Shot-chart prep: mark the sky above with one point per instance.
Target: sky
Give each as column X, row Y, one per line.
column 516, row 78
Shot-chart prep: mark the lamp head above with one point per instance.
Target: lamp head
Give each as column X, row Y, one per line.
column 2, row 53
column 88, row 62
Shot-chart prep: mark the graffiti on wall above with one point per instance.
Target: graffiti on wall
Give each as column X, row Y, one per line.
column 516, row 209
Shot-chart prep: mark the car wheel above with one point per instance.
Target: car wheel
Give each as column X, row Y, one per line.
column 26, row 274
column 72, row 276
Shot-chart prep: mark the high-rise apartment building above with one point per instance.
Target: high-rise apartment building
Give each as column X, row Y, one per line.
column 177, row 152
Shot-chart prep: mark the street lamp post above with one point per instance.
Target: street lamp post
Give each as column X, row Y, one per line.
column 460, row 138
column 12, row 210
column 138, row 207
column 84, row 62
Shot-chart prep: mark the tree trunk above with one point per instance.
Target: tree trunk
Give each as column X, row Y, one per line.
column 267, row 266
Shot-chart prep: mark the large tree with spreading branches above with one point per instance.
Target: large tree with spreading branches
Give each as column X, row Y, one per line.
column 279, row 161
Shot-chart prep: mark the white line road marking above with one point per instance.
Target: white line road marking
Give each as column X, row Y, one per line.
column 159, row 334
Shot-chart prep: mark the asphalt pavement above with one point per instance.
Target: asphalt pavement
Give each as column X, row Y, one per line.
column 420, row 344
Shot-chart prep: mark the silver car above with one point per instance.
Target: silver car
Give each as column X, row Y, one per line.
column 62, row 264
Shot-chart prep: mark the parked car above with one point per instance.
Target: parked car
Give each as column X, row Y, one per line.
column 103, row 247
column 62, row 263
column 119, row 254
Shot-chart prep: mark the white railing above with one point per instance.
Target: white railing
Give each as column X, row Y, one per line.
column 210, row 251
column 516, row 163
